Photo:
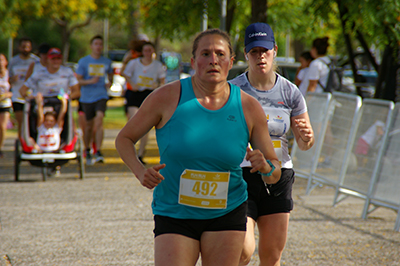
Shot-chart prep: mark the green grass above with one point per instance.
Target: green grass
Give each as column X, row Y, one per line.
column 115, row 118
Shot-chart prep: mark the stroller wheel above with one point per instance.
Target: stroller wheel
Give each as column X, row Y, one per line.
column 44, row 173
column 17, row 159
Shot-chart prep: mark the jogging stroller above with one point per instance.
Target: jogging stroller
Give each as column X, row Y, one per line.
column 71, row 143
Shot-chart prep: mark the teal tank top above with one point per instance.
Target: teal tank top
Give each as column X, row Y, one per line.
column 202, row 150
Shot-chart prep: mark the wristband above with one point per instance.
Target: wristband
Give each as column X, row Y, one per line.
column 270, row 172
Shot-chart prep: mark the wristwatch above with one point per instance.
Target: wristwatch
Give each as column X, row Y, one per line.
column 270, row 172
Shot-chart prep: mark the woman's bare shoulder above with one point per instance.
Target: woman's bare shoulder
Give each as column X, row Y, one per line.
column 164, row 101
column 168, row 91
column 249, row 103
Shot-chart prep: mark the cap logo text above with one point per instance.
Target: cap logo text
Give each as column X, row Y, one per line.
column 251, row 35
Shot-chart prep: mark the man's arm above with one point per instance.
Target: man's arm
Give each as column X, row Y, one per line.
column 29, row 71
column 110, row 79
column 75, row 92
column 84, row 82
column 24, row 91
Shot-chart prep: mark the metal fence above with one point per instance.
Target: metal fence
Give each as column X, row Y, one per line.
column 318, row 106
column 385, row 183
column 367, row 149
column 335, row 156
column 356, row 150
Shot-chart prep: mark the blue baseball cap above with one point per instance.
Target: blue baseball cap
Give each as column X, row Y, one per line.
column 259, row 35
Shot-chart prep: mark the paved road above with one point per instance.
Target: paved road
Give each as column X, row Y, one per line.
column 106, row 219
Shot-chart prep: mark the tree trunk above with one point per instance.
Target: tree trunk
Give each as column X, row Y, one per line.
column 343, row 12
column 388, row 83
column 65, row 35
column 364, row 44
column 133, row 21
column 66, row 32
column 259, row 11
column 230, row 14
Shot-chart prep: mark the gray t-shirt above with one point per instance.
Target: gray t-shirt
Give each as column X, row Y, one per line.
column 51, row 84
column 280, row 103
column 18, row 67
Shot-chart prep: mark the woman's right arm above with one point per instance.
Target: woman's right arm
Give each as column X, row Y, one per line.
column 155, row 110
column 312, row 85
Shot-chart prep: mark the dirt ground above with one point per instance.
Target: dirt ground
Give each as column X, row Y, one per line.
column 106, row 219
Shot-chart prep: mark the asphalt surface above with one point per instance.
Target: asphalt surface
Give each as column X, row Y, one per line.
column 106, row 219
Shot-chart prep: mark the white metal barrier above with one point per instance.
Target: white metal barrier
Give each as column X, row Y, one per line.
column 335, row 156
column 356, row 150
column 367, row 149
column 385, row 183
column 303, row 161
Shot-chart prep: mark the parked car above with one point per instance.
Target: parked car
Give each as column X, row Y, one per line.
column 72, row 65
column 117, row 88
column 366, row 71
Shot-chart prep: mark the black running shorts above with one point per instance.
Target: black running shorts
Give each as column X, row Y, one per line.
column 277, row 199
column 194, row 228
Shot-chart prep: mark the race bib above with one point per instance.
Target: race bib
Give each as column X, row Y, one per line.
column 96, row 70
column 145, row 81
column 278, row 149
column 203, row 189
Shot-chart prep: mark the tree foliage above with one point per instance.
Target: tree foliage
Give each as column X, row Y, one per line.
column 68, row 14
column 176, row 19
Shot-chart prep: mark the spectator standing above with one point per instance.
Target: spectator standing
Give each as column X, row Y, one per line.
column 318, row 71
column 18, row 68
column 95, row 75
column 368, row 140
column 300, row 81
column 144, row 74
column 270, row 203
column 5, row 100
column 317, row 76
column 203, row 125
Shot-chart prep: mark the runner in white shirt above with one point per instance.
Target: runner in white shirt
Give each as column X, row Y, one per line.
column 55, row 80
column 50, row 81
column 17, row 68
column 42, row 63
column 144, row 74
column 5, row 100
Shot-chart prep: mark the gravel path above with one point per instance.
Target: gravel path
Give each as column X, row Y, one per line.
column 106, row 219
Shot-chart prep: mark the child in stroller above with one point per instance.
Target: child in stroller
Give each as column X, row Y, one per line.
column 49, row 126
column 48, row 136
